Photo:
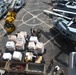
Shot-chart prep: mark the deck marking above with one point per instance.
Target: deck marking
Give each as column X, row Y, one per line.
column 51, row 39
column 38, row 19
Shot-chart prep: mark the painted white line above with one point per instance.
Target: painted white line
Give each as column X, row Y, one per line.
column 23, row 9
column 39, row 19
column 40, row 13
column 56, row 43
column 34, row 3
column 35, row 10
column 27, row 20
column 24, row 14
column 18, row 20
column 3, row 28
column 28, row 12
column 20, row 24
column 34, row 16
column 51, row 39
column 24, row 22
column 45, row 23
column 37, row 3
column 2, row 35
column 34, row 24
column 20, row 14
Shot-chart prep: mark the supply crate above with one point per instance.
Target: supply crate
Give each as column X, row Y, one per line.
column 34, row 68
column 2, row 64
column 17, row 67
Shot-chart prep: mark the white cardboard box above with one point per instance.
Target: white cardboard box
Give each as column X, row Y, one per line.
column 10, row 45
column 40, row 47
column 31, row 45
column 17, row 55
column 24, row 33
column 33, row 39
column 21, row 38
column 12, row 38
column 7, row 56
column 20, row 45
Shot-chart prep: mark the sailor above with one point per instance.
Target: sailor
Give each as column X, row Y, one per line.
column 33, row 32
column 56, row 69
column 27, row 39
column 62, row 72
column 36, row 32
column 51, row 62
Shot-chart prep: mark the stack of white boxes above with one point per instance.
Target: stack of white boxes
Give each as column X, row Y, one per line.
column 17, row 42
column 20, row 44
column 35, row 45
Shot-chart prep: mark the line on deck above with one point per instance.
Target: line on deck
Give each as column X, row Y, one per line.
column 38, row 18
column 51, row 39
column 3, row 28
